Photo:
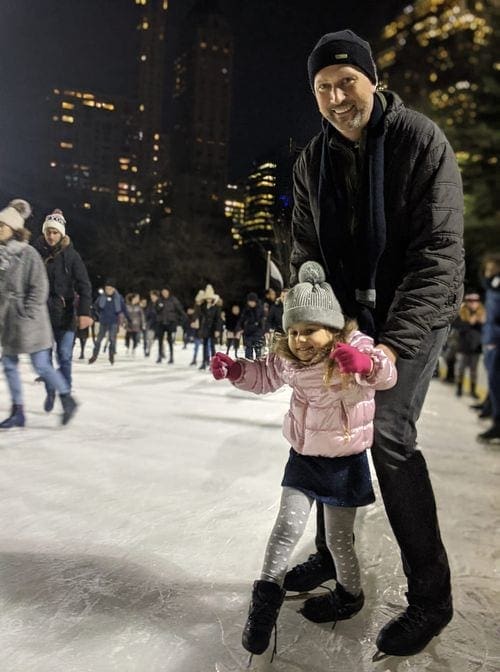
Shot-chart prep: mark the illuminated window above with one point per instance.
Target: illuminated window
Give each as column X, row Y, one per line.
column 66, row 145
column 67, row 106
column 66, row 118
column 141, row 108
column 87, row 206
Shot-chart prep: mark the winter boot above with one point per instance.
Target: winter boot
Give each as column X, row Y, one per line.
column 411, row 631
column 93, row 359
column 336, row 605
column 317, row 569
column 491, row 436
column 458, row 392
column 15, row 419
column 193, row 363
column 69, row 407
column 111, row 357
column 48, row 404
column 473, row 392
column 267, row 598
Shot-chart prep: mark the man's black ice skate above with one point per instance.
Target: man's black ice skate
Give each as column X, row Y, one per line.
column 490, row 436
column 317, row 569
column 336, row 605
column 267, row 598
column 410, row 632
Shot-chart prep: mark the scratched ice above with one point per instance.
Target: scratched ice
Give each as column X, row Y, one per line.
column 129, row 540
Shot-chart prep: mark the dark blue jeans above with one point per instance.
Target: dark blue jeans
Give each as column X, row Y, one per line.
column 404, row 480
column 491, row 354
column 253, row 343
column 64, row 341
column 112, row 331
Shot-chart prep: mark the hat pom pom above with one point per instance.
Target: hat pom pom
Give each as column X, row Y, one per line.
column 22, row 207
column 311, row 272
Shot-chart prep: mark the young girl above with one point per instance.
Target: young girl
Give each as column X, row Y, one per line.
column 334, row 371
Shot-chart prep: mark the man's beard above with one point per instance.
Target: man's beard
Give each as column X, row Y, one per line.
column 357, row 121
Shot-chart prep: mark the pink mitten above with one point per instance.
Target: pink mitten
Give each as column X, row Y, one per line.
column 223, row 366
column 351, row 360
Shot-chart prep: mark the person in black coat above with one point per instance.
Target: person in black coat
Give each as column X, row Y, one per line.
column 251, row 324
column 68, row 279
column 170, row 314
column 210, row 320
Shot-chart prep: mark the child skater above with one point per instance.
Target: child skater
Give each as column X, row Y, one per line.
column 333, row 370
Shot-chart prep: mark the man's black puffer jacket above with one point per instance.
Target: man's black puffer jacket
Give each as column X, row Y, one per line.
column 420, row 274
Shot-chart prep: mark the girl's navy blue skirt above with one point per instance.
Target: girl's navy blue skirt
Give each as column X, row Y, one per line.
column 337, row 481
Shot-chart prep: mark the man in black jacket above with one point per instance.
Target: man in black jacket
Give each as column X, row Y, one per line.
column 378, row 202
column 68, row 279
column 170, row 314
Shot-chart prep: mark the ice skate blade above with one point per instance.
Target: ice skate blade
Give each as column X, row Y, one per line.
column 380, row 655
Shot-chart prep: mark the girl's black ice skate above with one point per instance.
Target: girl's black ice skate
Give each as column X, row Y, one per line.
column 267, row 598
column 336, row 605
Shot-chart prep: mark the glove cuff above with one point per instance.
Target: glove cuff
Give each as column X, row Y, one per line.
column 235, row 371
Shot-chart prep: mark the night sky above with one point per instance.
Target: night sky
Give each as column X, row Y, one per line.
column 90, row 44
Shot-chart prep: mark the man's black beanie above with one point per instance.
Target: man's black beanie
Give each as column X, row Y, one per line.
column 342, row 47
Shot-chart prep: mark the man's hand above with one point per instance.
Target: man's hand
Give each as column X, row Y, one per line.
column 223, row 366
column 84, row 321
column 391, row 354
column 351, row 360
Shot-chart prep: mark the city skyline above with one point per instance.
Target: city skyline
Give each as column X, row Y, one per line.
column 88, row 46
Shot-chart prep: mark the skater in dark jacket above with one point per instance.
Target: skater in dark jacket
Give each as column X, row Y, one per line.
column 232, row 334
column 210, row 324
column 491, row 345
column 68, row 278
column 378, row 202
column 468, row 326
column 111, row 310
column 170, row 315
column 251, row 325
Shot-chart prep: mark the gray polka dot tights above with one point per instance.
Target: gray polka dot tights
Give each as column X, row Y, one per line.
column 290, row 524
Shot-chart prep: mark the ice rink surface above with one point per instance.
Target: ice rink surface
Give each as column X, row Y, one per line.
column 129, row 540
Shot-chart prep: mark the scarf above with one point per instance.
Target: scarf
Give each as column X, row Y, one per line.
column 352, row 227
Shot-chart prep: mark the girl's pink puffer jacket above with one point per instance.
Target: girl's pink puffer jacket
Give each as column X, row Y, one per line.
column 329, row 421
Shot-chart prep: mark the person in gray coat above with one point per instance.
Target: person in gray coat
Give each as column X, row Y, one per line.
column 378, row 202
column 24, row 318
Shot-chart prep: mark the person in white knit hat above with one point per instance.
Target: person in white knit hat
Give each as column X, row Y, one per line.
column 67, row 277
column 24, row 319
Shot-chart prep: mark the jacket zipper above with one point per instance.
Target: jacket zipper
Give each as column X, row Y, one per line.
column 345, row 423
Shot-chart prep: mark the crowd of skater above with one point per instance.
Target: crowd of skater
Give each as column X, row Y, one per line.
column 153, row 325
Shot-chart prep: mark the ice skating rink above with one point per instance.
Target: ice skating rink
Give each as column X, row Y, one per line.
column 129, row 540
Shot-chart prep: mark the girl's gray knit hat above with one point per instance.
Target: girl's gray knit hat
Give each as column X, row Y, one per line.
column 312, row 300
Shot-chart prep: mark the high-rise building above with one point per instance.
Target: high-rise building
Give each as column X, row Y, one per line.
column 202, row 101
column 89, row 156
column 148, row 138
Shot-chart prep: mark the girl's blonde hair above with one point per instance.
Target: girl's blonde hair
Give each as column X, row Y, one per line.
column 281, row 348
